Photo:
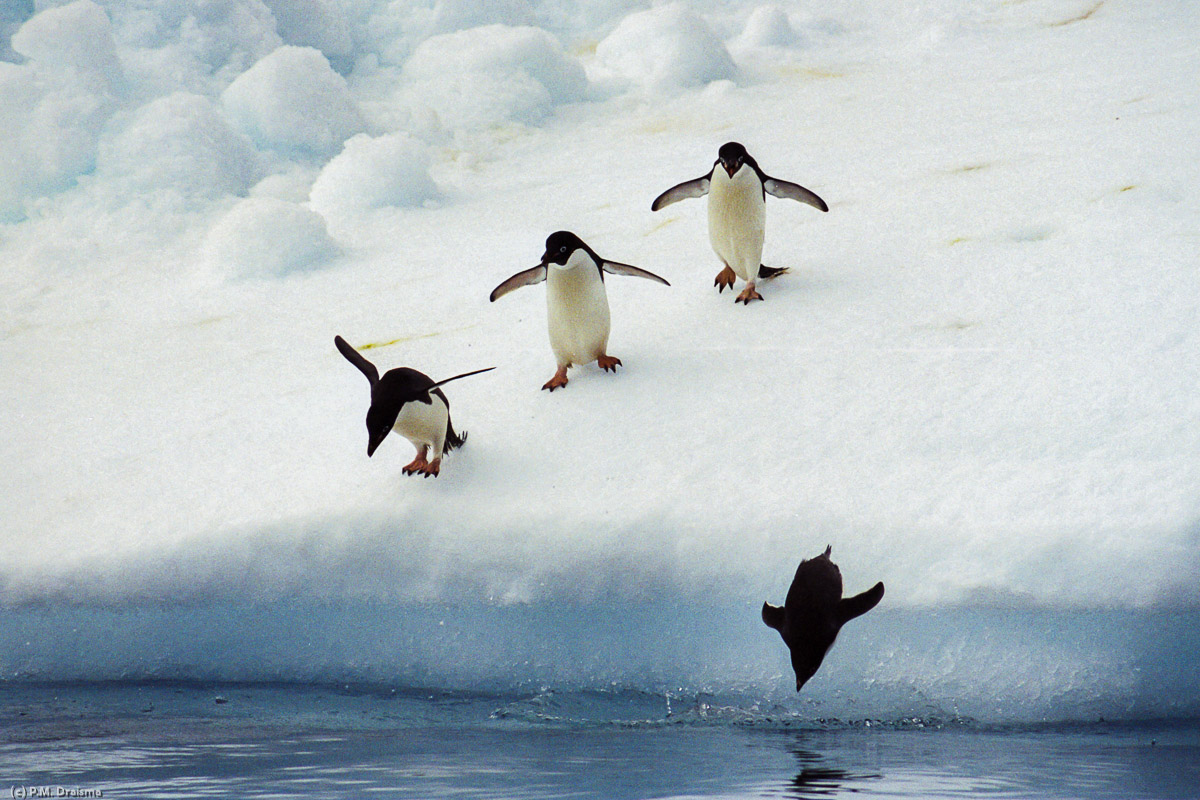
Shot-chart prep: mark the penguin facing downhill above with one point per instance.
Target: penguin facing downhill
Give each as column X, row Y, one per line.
column 737, row 213
column 577, row 312
column 410, row 403
column 815, row 611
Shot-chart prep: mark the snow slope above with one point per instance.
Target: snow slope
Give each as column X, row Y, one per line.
column 978, row 382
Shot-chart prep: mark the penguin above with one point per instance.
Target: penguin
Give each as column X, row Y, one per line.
column 814, row 613
column 737, row 206
column 410, row 403
column 577, row 312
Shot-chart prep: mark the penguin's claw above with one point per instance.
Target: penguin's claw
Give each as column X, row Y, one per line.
column 558, row 381
column 724, row 279
column 419, row 464
column 747, row 295
column 608, row 363
column 432, row 468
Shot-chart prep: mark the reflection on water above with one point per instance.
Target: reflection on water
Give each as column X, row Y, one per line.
column 819, row 778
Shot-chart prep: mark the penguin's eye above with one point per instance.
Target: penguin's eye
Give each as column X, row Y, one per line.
column 562, row 249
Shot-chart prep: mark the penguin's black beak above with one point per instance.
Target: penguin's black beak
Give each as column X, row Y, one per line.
column 374, row 442
column 730, row 166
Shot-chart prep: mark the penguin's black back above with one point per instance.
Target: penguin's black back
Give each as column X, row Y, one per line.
column 399, row 386
column 816, row 586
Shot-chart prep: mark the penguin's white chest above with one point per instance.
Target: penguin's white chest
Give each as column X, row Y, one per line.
column 424, row 424
column 577, row 310
column 737, row 219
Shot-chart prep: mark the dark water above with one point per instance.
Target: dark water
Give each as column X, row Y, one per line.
column 251, row 741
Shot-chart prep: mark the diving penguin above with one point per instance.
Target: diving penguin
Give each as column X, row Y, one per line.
column 411, row 404
column 577, row 312
column 737, row 212
column 815, row 611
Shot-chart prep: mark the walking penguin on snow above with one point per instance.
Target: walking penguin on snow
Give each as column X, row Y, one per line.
column 576, row 303
column 410, row 403
column 815, row 611
column 737, row 211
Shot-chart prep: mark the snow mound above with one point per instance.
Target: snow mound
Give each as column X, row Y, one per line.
column 77, row 37
column 485, row 76
column 391, row 170
column 293, row 101
column 181, row 143
column 53, row 107
column 665, row 49
column 321, row 24
column 768, row 26
column 458, row 15
column 267, row 237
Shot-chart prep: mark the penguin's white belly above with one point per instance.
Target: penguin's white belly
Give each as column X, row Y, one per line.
column 424, row 424
column 737, row 220
column 577, row 314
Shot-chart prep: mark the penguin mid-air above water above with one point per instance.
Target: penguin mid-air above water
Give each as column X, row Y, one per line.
column 410, row 403
column 577, row 312
column 737, row 203
column 815, row 611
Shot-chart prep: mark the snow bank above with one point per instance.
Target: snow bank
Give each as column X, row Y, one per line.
column 293, row 101
column 664, row 49
column 486, row 76
column 265, row 237
column 391, row 170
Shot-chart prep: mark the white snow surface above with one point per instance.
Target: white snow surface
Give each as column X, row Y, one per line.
column 980, row 381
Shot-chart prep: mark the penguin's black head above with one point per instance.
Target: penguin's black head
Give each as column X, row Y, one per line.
column 379, row 423
column 732, row 156
column 559, row 247
column 807, row 655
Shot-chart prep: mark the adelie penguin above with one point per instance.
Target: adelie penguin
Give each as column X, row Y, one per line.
column 411, row 404
column 576, row 303
column 815, row 611
column 737, row 192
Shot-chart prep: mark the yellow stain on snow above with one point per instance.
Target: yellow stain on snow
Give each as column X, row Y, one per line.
column 1080, row 18
column 815, row 73
column 664, row 222
column 413, row 338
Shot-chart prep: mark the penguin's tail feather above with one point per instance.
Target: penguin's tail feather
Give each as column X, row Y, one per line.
column 766, row 273
column 453, row 440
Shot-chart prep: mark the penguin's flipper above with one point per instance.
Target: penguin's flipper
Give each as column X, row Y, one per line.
column 444, row 381
column 772, row 616
column 697, row 187
column 793, row 191
column 851, row 607
column 526, row 277
column 356, row 358
column 617, row 268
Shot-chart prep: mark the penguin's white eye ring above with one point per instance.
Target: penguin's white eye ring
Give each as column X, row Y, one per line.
column 562, row 249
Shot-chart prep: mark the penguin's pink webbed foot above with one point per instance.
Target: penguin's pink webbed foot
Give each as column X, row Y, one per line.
column 608, row 363
column 418, row 464
column 558, row 381
column 724, row 279
column 748, row 294
column 432, row 468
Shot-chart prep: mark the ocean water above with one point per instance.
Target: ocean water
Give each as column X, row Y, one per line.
column 665, row 700
column 166, row 739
